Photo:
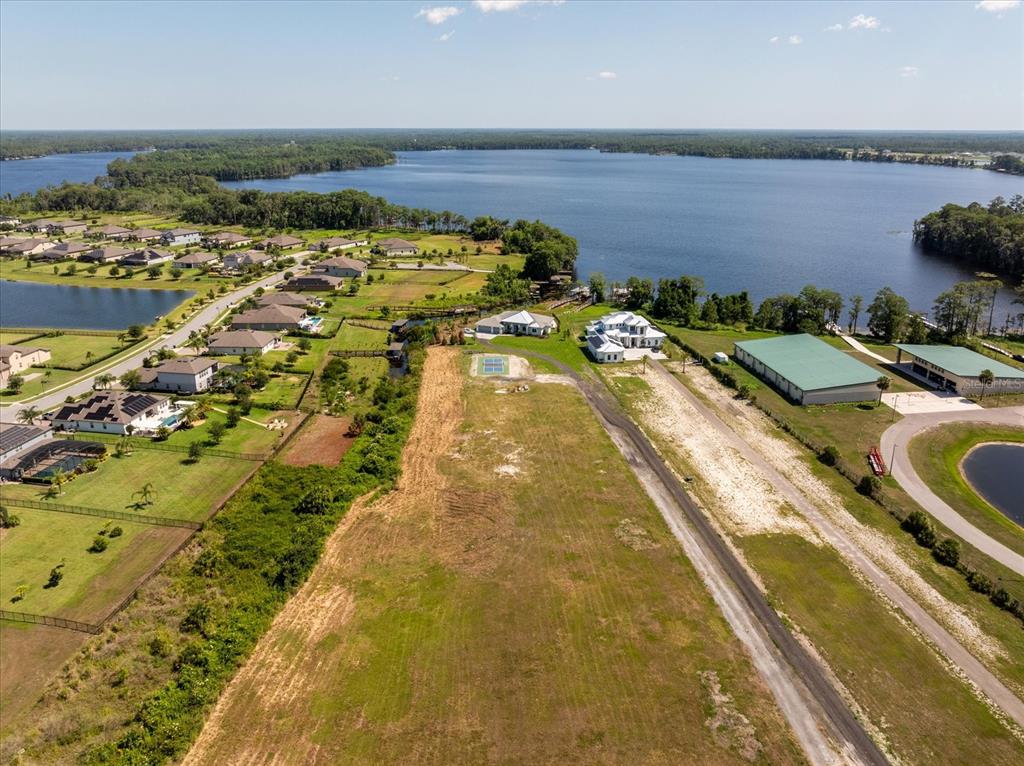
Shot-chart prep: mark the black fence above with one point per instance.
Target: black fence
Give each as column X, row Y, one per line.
column 157, row 521
column 56, row 622
column 144, row 443
column 346, row 353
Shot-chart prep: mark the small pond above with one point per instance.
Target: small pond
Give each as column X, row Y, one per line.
column 32, row 304
column 996, row 471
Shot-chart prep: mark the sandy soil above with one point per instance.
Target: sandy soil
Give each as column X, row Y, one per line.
column 789, row 460
column 749, row 505
column 321, row 442
column 278, row 671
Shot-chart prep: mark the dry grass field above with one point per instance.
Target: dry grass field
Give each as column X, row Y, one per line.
column 516, row 599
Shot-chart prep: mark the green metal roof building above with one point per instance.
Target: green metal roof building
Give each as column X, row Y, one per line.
column 954, row 368
column 808, row 370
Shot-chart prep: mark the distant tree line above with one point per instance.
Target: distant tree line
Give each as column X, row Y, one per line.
column 989, row 238
column 1008, row 163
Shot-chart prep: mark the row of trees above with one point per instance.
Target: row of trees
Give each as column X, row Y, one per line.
column 989, row 238
column 548, row 250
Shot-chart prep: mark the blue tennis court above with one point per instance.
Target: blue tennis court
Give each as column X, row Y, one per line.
column 494, row 365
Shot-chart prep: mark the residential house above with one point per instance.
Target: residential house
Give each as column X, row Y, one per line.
column 269, row 318
column 67, row 228
column 288, row 299
column 187, row 375
column 38, row 225
column 116, row 412
column 145, row 235
column 227, row 240
column 61, row 252
column 196, row 260
column 244, row 260
column 604, row 349
column 105, row 255
column 176, row 237
column 110, row 231
column 20, row 437
column 239, row 342
column 314, row 282
column 26, row 247
column 332, row 244
column 517, row 323
column 147, row 257
column 340, row 266
column 393, row 246
column 281, row 242
column 628, row 329
column 16, row 359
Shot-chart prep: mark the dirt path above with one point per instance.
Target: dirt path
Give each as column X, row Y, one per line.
column 281, row 670
column 848, row 546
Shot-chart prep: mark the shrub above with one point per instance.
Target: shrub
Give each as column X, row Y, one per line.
column 115, row 532
column 318, row 500
column 1001, row 598
column 99, row 544
column 232, row 417
column 829, row 455
column 870, row 486
column 56, row 575
column 978, row 582
column 947, row 552
column 195, row 451
column 217, row 432
column 197, row 618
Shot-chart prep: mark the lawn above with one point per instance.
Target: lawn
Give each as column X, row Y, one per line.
column 244, row 437
column 93, row 583
column 936, row 455
column 517, row 600
column 75, row 351
column 181, row 490
column 928, row 715
column 83, row 276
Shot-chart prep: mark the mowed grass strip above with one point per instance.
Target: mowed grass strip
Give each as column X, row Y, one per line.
column 179, row 490
column 927, row 714
column 936, row 455
column 518, row 601
column 93, row 583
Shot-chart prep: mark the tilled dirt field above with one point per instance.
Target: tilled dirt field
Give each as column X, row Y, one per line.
column 517, row 599
column 323, row 441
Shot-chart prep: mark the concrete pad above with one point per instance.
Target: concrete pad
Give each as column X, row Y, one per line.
column 636, row 354
column 923, row 402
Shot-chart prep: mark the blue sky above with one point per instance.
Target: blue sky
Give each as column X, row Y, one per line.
column 508, row 63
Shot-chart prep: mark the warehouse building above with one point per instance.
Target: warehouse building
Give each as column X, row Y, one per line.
column 808, row 370
column 953, row 368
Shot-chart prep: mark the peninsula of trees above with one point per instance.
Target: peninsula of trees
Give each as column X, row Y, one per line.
column 986, row 238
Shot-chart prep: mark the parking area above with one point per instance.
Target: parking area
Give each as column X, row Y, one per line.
column 923, row 402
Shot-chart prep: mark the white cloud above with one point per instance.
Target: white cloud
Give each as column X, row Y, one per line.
column 997, row 6
column 834, row 28
column 438, row 14
column 773, row 40
column 500, row 6
column 909, row 71
column 606, row 75
column 794, row 39
column 447, row 36
column 860, row 21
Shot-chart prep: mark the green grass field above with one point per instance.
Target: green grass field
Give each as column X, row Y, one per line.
column 182, row 491
column 93, row 583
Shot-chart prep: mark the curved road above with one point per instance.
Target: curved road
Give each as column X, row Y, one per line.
column 898, row 437
column 83, row 385
column 812, row 675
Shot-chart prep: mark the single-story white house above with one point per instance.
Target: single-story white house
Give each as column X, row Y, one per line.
column 517, row 323
column 115, row 412
column 392, row 246
column 239, row 342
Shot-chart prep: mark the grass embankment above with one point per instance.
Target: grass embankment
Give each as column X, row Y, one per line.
column 936, row 455
column 517, row 600
column 899, row 685
column 139, row 692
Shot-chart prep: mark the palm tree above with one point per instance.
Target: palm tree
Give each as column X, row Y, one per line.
column 29, row 415
column 985, row 377
column 58, row 480
column 145, row 494
column 882, row 384
column 106, row 380
column 131, row 379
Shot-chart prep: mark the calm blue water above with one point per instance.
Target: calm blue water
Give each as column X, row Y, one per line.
column 30, row 304
column 996, row 471
column 768, row 226
column 20, row 176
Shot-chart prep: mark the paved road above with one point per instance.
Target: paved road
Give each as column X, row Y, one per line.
column 835, row 713
column 895, row 441
column 970, row 667
column 84, row 385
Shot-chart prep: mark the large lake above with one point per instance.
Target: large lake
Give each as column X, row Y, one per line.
column 20, row 176
column 31, row 304
column 996, row 471
column 769, row 226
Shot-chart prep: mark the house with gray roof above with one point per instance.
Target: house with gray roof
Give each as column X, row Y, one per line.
column 227, row 240
column 333, row 244
column 111, row 231
column 145, row 235
column 147, row 257
column 196, row 260
column 185, row 375
column 62, row 251
column 274, row 317
column 340, row 266
column 282, row 242
column 241, row 342
column 67, row 228
column 288, row 299
column 115, row 412
column 179, row 236
column 392, row 246
column 107, row 254
column 246, row 259
column 25, row 247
